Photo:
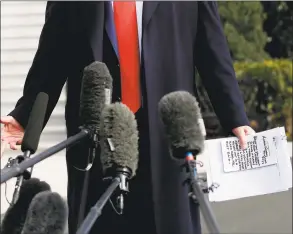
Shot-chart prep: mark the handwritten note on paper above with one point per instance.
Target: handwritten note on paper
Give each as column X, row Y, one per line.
column 268, row 147
column 261, row 151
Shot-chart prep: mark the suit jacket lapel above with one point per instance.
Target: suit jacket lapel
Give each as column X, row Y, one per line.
column 94, row 20
column 94, row 15
column 149, row 8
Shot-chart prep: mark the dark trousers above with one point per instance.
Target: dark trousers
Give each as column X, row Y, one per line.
column 138, row 217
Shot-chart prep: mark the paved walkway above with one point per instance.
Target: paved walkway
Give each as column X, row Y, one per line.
column 262, row 214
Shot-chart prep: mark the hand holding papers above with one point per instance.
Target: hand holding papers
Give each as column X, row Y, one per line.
column 263, row 168
column 260, row 152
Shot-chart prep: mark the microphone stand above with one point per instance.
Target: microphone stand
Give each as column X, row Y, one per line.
column 18, row 169
column 121, row 181
column 199, row 196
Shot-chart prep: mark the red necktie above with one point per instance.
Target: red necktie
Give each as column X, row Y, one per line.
column 128, row 48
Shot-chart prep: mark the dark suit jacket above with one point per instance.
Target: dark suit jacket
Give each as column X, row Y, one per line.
column 177, row 37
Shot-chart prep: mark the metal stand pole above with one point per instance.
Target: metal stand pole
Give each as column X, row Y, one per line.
column 96, row 210
column 204, row 204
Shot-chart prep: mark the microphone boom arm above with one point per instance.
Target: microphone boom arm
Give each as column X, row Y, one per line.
column 96, row 210
column 18, row 169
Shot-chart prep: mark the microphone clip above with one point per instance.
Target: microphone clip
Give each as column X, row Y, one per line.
column 93, row 143
column 15, row 161
column 93, row 136
column 200, row 179
column 123, row 174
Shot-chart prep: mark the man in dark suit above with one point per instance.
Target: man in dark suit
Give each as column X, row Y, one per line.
column 172, row 38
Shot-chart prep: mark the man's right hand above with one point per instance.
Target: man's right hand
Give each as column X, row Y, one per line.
column 11, row 133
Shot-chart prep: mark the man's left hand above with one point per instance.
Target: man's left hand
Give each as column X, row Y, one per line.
column 241, row 133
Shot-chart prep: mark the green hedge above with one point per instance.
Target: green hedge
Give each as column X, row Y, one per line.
column 272, row 80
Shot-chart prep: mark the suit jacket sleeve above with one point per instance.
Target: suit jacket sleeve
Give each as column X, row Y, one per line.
column 215, row 66
column 48, row 72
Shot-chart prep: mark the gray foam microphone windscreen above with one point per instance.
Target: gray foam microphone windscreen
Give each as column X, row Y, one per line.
column 119, row 138
column 47, row 214
column 96, row 91
column 14, row 218
column 180, row 114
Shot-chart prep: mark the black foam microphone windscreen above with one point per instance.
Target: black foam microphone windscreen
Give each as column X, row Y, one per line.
column 47, row 214
column 180, row 114
column 16, row 214
column 35, row 124
column 96, row 91
column 119, row 138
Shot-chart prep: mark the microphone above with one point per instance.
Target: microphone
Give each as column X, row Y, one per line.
column 119, row 157
column 15, row 216
column 31, row 137
column 47, row 214
column 96, row 92
column 181, row 116
column 96, row 80
column 35, row 124
column 119, row 145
